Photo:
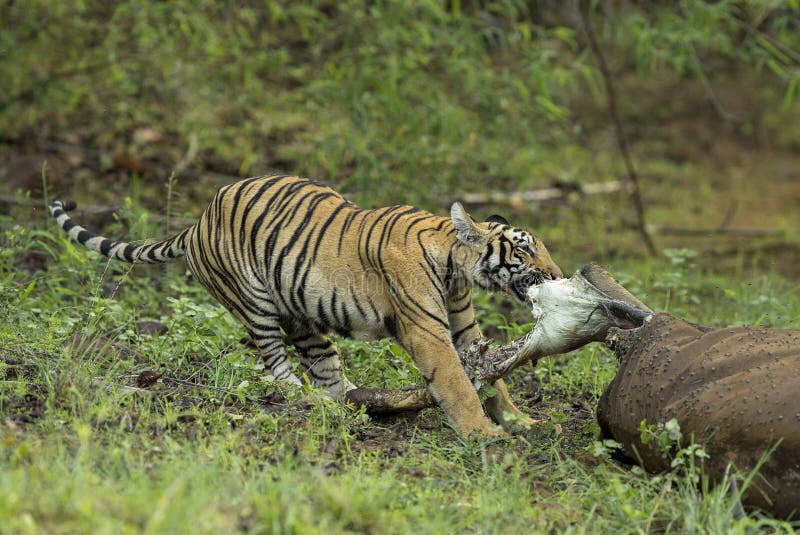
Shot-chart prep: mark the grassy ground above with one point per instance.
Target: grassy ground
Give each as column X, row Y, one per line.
column 391, row 103
column 214, row 446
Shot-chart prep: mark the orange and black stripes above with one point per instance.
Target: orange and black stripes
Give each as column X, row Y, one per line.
column 289, row 254
column 155, row 253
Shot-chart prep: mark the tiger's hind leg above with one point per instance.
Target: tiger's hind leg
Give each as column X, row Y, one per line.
column 265, row 332
column 320, row 358
column 250, row 302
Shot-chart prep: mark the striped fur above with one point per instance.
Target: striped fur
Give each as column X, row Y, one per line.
column 287, row 253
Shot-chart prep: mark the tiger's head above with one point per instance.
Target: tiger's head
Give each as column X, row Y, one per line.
column 509, row 259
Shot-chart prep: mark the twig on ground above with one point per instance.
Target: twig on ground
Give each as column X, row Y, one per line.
column 684, row 231
column 543, row 194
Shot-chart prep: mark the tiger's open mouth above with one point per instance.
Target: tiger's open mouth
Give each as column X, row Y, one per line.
column 520, row 287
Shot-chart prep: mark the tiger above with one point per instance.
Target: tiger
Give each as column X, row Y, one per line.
column 294, row 261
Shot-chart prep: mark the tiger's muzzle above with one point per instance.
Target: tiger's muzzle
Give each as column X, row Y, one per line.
column 520, row 286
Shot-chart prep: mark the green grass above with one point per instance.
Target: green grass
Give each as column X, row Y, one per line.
column 215, row 446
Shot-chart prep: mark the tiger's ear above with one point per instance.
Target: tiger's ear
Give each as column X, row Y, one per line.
column 466, row 229
column 494, row 218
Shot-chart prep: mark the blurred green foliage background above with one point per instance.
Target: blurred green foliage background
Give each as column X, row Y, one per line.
column 416, row 102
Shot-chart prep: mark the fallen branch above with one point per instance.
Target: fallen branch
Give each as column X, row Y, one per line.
column 742, row 231
column 544, row 194
column 383, row 401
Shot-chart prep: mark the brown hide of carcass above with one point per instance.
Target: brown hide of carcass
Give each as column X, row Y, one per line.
column 735, row 390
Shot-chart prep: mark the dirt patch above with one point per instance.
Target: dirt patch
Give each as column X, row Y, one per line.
column 32, row 260
column 21, row 398
column 769, row 256
column 23, row 172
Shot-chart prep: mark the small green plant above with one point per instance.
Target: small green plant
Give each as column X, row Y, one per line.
column 668, row 439
column 604, row 448
column 675, row 281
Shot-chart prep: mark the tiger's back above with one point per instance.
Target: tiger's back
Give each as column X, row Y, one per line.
column 326, row 263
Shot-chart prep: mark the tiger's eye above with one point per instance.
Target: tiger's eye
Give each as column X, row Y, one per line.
column 525, row 248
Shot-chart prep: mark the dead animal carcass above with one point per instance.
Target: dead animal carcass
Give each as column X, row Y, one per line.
column 735, row 391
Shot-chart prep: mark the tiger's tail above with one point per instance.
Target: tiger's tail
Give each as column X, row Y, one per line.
column 154, row 253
